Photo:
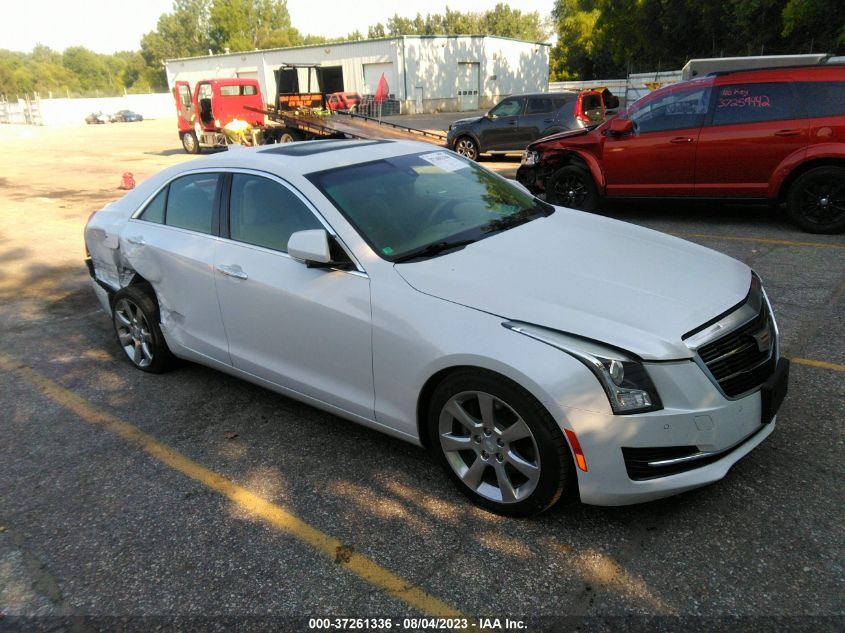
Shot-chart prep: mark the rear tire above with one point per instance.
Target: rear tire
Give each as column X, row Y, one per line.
column 816, row 200
column 572, row 187
column 499, row 444
column 135, row 317
column 190, row 143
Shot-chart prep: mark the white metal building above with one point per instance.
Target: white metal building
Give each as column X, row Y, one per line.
column 424, row 73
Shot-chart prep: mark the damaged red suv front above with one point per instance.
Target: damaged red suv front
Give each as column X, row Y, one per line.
column 774, row 136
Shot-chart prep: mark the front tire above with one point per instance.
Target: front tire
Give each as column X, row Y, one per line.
column 816, row 200
column 135, row 317
column 190, row 143
column 572, row 187
column 466, row 146
column 498, row 444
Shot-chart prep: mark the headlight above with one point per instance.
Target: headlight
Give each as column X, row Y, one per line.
column 624, row 379
column 530, row 157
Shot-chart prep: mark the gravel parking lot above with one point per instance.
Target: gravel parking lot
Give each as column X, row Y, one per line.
column 192, row 500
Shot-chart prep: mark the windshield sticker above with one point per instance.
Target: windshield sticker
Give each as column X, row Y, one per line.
column 444, row 161
column 387, row 250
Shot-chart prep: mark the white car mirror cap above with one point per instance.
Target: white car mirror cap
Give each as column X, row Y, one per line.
column 310, row 246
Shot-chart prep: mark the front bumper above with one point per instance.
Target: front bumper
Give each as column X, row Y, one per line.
column 695, row 415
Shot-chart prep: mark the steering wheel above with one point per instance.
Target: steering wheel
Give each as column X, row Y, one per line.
column 439, row 209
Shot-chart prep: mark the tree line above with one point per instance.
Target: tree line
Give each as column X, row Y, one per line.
column 595, row 38
column 603, row 39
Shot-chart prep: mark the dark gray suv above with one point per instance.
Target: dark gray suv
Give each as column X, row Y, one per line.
column 518, row 120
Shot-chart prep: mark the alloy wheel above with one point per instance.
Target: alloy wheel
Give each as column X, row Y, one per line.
column 571, row 191
column 822, row 201
column 466, row 147
column 489, row 446
column 133, row 332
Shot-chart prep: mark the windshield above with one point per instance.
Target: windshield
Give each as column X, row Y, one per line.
column 425, row 203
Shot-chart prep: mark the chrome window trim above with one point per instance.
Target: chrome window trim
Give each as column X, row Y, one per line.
column 359, row 269
column 143, row 206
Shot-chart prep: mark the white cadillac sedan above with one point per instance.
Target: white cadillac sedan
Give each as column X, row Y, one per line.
column 538, row 351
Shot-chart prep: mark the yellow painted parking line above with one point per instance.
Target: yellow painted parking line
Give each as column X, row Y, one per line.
column 817, row 363
column 758, row 240
column 333, row 549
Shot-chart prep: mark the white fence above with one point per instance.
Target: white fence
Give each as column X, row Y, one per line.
column 628, row 90
column 64, row 112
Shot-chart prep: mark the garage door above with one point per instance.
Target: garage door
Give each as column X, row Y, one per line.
column 372, row 72
column 467, row 86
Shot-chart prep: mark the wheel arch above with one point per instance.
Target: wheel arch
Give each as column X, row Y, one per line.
column 803, row 168
column 427, row 390
column 468, row 134
column 578, row 159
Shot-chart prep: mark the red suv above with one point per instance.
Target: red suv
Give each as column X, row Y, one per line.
column 776, row 135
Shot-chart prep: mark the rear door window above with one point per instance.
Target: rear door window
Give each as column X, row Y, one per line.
column 822, row 98
column 154, row 212
column 754, row 103
column 539, row 105
column 190, row 202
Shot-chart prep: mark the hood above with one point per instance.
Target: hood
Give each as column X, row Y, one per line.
column 561, row 135
column 459, row 122
column 606, row 280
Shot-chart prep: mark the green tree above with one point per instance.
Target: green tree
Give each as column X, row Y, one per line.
column 814, row 24
column 181, row 33
column 242, row 25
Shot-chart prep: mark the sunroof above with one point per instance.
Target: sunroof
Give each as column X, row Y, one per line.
column 317, row 147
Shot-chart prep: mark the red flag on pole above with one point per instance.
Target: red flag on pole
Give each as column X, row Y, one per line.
column 381, row 90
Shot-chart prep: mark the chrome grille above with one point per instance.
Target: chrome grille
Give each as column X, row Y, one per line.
column 743, row 359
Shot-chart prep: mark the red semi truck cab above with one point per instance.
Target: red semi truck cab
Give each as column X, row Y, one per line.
column 214, row 103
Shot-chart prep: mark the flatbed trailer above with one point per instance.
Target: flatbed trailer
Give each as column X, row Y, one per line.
column 303, row 124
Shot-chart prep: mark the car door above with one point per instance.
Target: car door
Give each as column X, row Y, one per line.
column 753, row 128
column 184, row 105
column 658, row 158
column 307, row 329
column 538, row 120
column 171, row 244
column 500, row 131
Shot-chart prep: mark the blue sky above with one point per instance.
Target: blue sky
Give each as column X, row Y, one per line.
column 106, row 26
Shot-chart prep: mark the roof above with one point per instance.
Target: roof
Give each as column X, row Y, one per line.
column 348, row 42
column 305, row 157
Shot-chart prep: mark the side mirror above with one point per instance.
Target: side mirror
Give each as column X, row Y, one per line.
column 311, row 246
column 620, row 127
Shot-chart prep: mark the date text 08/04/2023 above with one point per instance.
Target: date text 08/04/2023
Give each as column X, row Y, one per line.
column 415, row 624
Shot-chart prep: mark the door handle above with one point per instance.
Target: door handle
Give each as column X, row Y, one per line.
column 137, row 241
column 788, row 133
column 511, row 122
column 232, row 271
column 548, row 120
column 681, row 139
